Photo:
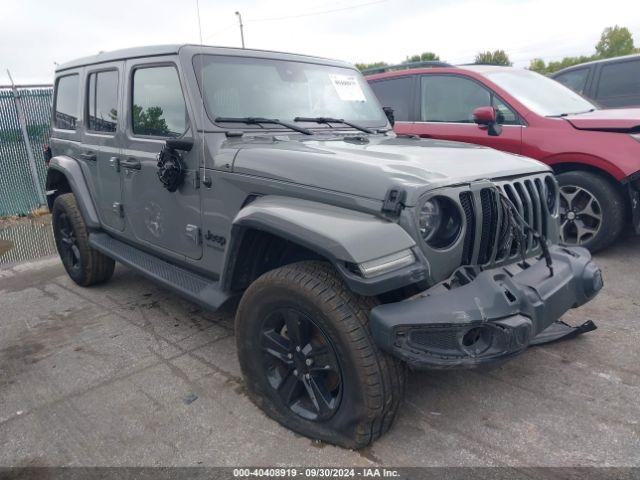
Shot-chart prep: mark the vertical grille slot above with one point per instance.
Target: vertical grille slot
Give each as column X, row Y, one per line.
column 542, row 195
column 537, row 212
column 466, row 199
column 489, row 206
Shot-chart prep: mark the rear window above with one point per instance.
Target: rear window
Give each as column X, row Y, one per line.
column 395, row 93
column 66, row 102
column 102, row 101
column 619, row 79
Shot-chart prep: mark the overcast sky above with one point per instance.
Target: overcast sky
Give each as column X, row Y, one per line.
column 35, row 34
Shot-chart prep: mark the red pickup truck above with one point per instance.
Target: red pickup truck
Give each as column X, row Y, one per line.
column 595, row 153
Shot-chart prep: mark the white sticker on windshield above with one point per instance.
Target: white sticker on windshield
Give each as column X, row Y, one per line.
column 348, row 87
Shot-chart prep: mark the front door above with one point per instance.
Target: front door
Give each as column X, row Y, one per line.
column 103, row 140
column 446, row 105
column 166, row 221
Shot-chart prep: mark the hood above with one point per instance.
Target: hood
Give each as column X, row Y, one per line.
column 623, row 120
column 369, row 166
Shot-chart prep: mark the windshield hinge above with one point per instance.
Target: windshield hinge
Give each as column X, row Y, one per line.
column 394, row 201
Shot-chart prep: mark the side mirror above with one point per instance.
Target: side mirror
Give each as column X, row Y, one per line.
column 388, row 111
column 179, row 144
column 489, row 118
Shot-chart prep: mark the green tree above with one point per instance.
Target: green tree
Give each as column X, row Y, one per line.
column 366, row 66
column 149, row 122
column 538, row 65
column 615, row 41
column 423, row 57
column 497, row 57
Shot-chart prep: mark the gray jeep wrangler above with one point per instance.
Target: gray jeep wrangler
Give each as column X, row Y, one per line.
column 275, row 180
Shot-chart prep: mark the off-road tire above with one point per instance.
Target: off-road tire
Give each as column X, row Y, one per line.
column 373, row 382
column 93, row 267
column 611, row 203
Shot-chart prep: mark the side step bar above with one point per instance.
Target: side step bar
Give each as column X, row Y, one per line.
column 199, row 289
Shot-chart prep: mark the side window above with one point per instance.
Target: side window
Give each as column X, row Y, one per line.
column 448, row 98
column 395, row 93
column 66, row 102
column 576, row 80
column 619, row 79
column 158, row 107
column 102, row 101
column 509, row 117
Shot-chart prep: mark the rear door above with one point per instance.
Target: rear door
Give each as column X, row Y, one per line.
column 446, row 104
column 167, row 221
column 103, row 137
column 618, row 84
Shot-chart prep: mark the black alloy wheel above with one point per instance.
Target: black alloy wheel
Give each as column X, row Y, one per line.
column 301, row 364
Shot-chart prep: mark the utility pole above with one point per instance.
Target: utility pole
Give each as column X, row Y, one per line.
column 241, row 30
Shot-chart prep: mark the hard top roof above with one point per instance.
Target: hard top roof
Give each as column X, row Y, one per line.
column 157, row 50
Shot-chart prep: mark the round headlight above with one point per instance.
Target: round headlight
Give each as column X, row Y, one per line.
column 551, row 193
column 440, row 222
column 429, row 219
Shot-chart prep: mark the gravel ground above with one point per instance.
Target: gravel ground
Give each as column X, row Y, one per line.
column 130, row 374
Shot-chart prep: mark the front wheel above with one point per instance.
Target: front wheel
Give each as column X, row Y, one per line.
column 309, row 360
column 592, row 211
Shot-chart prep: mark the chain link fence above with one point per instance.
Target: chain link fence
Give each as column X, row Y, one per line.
column 25, row 118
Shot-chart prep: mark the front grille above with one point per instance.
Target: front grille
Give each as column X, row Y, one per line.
column 495, row 241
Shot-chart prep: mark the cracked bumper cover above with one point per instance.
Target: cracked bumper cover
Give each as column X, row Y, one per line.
column 493, row 317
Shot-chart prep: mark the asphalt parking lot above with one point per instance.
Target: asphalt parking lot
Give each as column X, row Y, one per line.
column 130, row 374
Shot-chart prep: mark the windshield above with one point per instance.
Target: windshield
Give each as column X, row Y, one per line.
column 538, row 93
column 237, row 87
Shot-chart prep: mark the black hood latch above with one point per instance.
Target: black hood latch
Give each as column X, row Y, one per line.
column 394, row 201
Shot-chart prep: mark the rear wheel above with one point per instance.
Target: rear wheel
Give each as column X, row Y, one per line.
column 309, row 359
column 592, row 211
column 84, row 265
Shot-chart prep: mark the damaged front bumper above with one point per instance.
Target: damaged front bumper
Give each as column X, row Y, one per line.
column 477, row 318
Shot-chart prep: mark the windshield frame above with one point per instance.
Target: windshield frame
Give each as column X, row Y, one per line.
column 381, row 124
column 532, row 104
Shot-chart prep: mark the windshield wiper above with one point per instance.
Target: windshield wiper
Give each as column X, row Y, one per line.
column 259, row 120
column 328, row 120
column 573, row 113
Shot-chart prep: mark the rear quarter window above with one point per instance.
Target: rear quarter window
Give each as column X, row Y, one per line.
column 66, row 102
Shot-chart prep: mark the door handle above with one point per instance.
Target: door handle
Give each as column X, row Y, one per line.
column 90, row 156
column 114, row 162
column 131, row 162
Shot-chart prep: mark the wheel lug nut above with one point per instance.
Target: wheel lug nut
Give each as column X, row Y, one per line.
column 295, row 372
column 307, row 376
column 298, row 348
column 290, row 356
column 309, row 362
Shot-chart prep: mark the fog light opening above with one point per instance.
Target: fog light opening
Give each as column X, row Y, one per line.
column 471, row 337
column 476, row 340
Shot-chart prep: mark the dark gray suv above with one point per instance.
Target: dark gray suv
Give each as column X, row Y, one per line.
column 276, row 180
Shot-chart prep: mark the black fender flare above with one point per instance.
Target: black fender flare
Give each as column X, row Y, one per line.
column 340, row 235
column 70, row 168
